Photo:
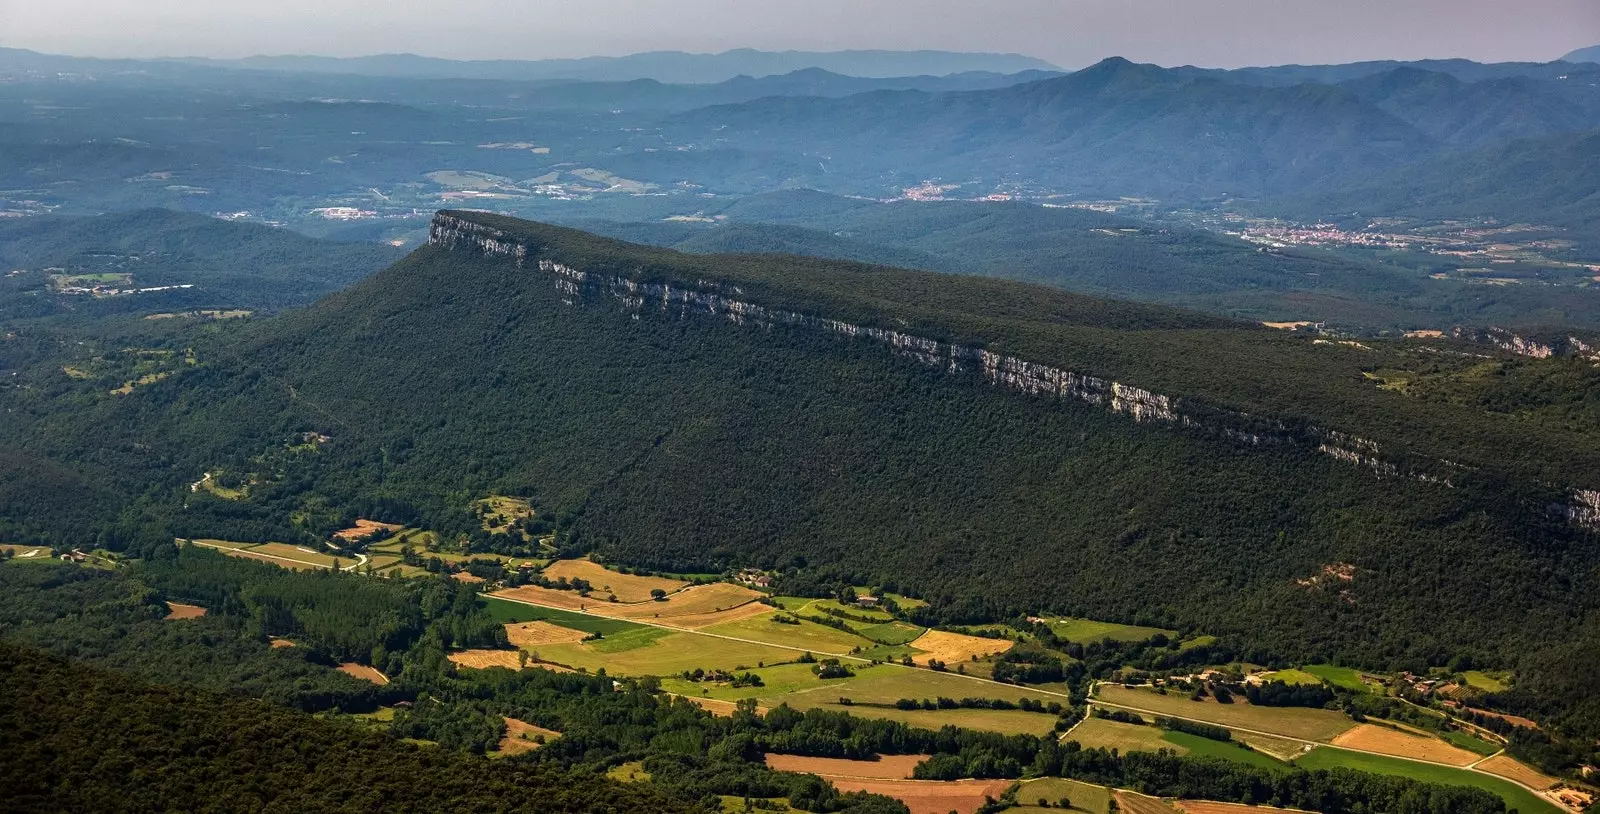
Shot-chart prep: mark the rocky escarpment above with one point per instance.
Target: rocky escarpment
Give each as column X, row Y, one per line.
column 715, row 299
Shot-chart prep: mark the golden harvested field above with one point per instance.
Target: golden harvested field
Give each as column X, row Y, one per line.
column 362, row 671
column 1293, row 722
column 533, row 634
column 520, row 736
column 954, row 648
column 1140, row 804
column 1207, row 807
column 278, row 561
column 696, row 607
column 1281, row 748
column 484, row 659
column 1004, row 721
column 178, row 610
column 470, row 579
column 1511, row 769
column 627, row 587
column 279, row 644
column 886, row 767
column 1386, row 741
column 1084, row 796
column 930, row 796
column 301, row 554
column 721, row 709
column 363, row 528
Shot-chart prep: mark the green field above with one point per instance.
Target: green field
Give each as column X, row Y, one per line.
column 662, row 654
column 1479, row 680
column 1294, row 722
column 1123, row 737
column 1516, row 796
column 1471, row 743
column 807, row 635
column 505, row 612
column 1293, row 677
column 1345, row 677
column 1207, row 747
column 622, row 642
column 1084, row 797
column 1088, row 630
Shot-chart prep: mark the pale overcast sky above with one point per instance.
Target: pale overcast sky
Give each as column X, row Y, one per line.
column 1071, row 33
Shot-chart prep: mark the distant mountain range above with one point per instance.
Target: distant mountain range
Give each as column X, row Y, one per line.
column 663, row 66
column 1590, row 54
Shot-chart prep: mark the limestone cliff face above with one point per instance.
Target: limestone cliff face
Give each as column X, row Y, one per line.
column 710, row 298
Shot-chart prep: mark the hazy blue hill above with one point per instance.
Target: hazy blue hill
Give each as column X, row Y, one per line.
column 1117, row 126
column 230, row 265
column 1551, row 179
column 1483, row 112
column 664, row 66
column 1590, row 54
column 1463, row 69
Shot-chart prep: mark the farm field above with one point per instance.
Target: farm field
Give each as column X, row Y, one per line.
column 363, row 672
column 362, row 528
column 282, row 554
column 24, row 553
column 534, row 634
column 1123, row 737
column 503, row 611
column 1386, row 741
column 660, row 653
column 1004, row 721
column 1293, row 677
column 1280, row 748
column 1205, row 747
column 522, row 737
column 694, row 607
column 931, row 796
column 1509, row 767
column 1293, row 722
column 1487, row 682
column 886, row 767
column 1140, row 804
column 1346, row 677
column 1470, row 742
column 484, row 659
column 1084, row 796
column 956, row 648
column 1206, row 807
column 809, row 635
column 1084, row 631
column 1515, row 796
column 178, row 610
column 626, row 587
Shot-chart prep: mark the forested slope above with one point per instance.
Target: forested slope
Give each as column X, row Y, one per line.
column 676, row 439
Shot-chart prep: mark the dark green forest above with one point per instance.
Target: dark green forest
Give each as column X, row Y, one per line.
column 690, row 444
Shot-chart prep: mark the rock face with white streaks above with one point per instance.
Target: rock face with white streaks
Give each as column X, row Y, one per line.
column 719, row 300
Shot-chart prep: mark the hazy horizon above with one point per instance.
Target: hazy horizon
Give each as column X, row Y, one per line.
column 1068, row 33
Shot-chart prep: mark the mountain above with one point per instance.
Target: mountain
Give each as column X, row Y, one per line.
column 177, row 261
column 662, row 66
column 1463, row 69
column 1116, row 128
column 1491, row 111
column 1543, row 181
column 991, row 446
column 1590, row 54
column 1108, row 255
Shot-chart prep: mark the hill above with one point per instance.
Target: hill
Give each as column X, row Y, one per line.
column 1116, row 128
column 164, row 261
column 694, row 413
column 1590, row 54
column 663, row 66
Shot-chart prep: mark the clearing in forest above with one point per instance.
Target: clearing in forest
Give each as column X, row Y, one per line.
column 885, row 767
column 533, row 634
column 955, row 648
column 484, row 659
column 279, row 644
column 362, row 528
column 1508, row 767
column 363, row 672
column 1516, row 796
column 178, row 610
column 819, row 639
column 930, row 796
column 523, row 737
column 1386, row 741
column 1084, row 631
column 626, row 587
column 1292, row 722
